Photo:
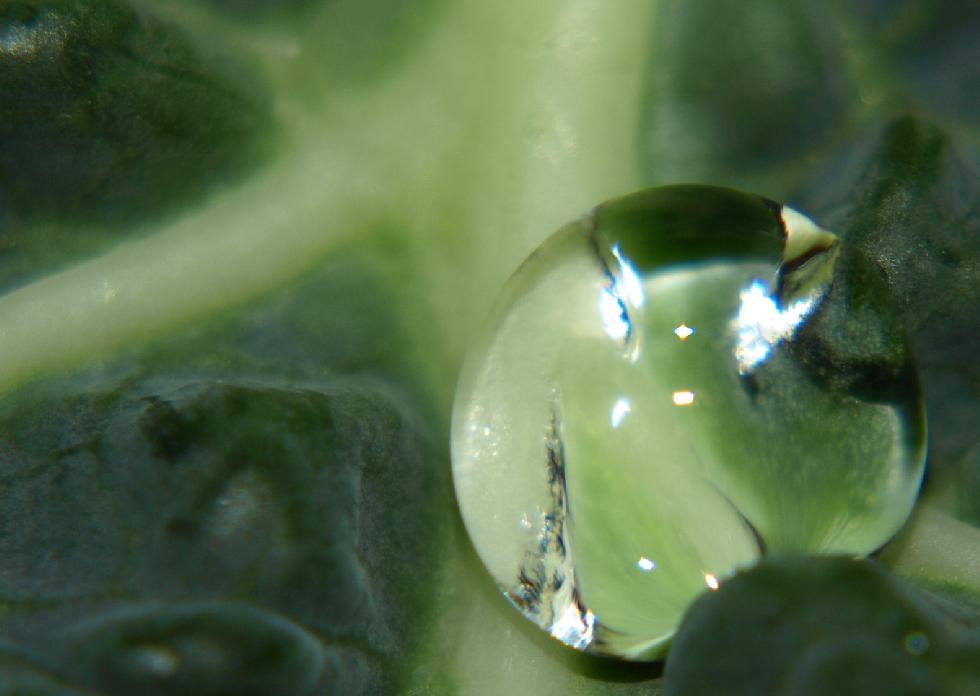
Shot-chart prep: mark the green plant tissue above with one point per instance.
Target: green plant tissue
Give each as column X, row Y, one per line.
column 244, row 246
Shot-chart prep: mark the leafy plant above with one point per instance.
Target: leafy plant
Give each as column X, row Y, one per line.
column 243, row 247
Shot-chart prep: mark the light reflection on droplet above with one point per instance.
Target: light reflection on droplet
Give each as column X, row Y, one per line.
column 711, row 581
column 761, row 324
column 615, row 321
column 632, row 287
column 613, row 298
column 683, row 398
column 619, row 411
column 573, row 627
column 645, row 564
column 684, row 332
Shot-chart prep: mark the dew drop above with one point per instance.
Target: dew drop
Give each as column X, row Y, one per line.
column 688, row 374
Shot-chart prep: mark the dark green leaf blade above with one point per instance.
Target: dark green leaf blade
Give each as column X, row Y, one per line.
column 204, row 518
column 739, row 89
column 108, row 117
column 910, row 204
column 821, row 625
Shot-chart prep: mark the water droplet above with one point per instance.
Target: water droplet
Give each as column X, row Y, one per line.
column 793, row 422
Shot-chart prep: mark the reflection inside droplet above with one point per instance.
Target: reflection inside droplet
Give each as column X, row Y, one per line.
column 632, row 287
column 683, row 398
column 574, row 627
column 761, row 324
column 683, row 332
column 645, row 564
column 615, row 318
column 619, row 411
column 711, row 581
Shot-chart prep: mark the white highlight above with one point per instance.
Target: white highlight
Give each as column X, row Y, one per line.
column 613, row 314
column 613, row 298
column 632, row 286
column 683, row 398
column 761, row 324
column 574, row 628
column 645, row 564
column 683, row 332
column 711, row 581
column 619, row 411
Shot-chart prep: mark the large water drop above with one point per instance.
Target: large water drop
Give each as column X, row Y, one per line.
column 682, row 380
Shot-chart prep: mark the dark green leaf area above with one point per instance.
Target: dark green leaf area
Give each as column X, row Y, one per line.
column 739, row 87
column 935, row 51
column 20, row 678
column 306, row 501
column 200, row 649
column 756, row 95
column 910, row 204
column 107, row 115
column 338, row 320
column 856, row 341
column 264, row 6
column 798, row 626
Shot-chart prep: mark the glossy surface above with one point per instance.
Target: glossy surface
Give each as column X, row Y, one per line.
column 669, row 387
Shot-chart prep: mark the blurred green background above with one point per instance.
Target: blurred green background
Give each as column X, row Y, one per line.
column 244, row 244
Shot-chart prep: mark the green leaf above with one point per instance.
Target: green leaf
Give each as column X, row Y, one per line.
column 911, row 205
column 855, row 113
column 108, row 116
column 811, row 626
column 749, row 87
column 138, row 502
column 206, row 649
column 308, row 206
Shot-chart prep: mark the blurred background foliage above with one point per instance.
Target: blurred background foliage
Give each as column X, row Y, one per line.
column 244, row 244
